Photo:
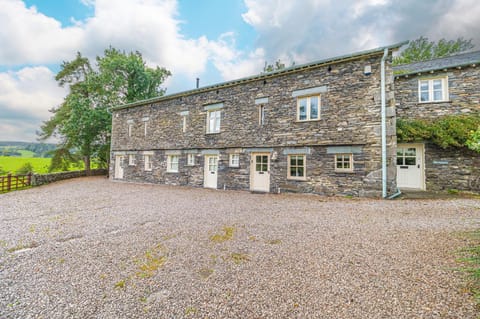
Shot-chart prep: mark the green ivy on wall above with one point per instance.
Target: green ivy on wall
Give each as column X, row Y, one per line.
column 448, row 131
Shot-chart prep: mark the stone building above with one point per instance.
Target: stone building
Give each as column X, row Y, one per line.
column 429, row 90
column 310, row 128
column 326, row 127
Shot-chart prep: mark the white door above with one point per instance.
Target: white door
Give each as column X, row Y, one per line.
column 260, row 172
column 211, row 171
column 410, row 166
column 119, row 166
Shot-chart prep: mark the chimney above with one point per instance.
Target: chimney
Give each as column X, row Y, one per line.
column 198, row 82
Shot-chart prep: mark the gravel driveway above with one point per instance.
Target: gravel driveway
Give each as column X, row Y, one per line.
column 91, row 248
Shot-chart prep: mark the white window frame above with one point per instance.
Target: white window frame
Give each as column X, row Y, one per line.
column 172, row 163
column 308, row 106
column 145, row 128
column 261, row 114
column 147, row 158
column 184, row 123
column 130, row 129
column 190, row 159
column 213, row 122
column 300, row 178
column 234, row 160
column 430, row 91
column 131, row 160
column 340, row 158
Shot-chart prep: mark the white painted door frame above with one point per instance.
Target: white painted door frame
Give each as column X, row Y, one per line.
column 260, row 172
column 118, row 166
column 411, row 166
column 210, row 175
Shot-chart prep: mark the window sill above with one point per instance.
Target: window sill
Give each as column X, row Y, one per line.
column 190, row 165
column 307, row 121
column 344, row 171
column 300, row 179
column 212, row 133
column 148, row 170
column 435, row 102
column 132, row 164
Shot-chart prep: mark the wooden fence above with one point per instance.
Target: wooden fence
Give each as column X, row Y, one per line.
column 14, row 182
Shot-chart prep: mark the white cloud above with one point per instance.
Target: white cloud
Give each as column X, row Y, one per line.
column 28, row 36
column 25, row 98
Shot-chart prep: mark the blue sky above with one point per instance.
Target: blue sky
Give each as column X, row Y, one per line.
column 215, row 40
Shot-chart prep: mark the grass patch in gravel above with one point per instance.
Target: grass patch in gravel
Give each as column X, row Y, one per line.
column 22, row 246
column 239, row 258
column 227, row 235
column 472, row 260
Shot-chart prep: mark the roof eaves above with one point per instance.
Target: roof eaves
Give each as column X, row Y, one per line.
column 427, row 70
column 263, row 76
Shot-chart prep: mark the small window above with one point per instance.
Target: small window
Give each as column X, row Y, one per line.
column 261, row 115
column 191, row 159
column 145, row 128
column 213, row 121
column 130, row 129
column 234, row 160
column 184, row 124
column 148, row 162
column 296, row 167
column 172, row 163
column 131, row 160
column 344, row 162
column 433, row 90
column 308, row 108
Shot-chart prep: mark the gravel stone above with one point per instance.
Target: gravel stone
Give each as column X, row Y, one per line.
column 92, row 248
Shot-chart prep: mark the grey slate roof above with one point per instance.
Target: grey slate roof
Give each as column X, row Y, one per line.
column 262, row 76
column 458, row 60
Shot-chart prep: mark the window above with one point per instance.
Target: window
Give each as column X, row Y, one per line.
column 130, row 129
column 344, row 162
column 433, row 90
column 145, row 128
column 184, row 124
column 407, row 156
column 296, row 167
column 261, row 115
column 172, row 163
column 234, row 160
column 131, row 160
column 148, row 162
column 308, row 108
column 213, row 121
column 190, row 159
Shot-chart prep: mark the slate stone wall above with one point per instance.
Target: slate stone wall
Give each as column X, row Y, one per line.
column 462, row 170
column 349, row 115
column 451, row 169
column 41, row 179
column 464, row 94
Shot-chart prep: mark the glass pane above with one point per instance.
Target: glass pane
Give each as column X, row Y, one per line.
column 424, row 85
column 437, row 95
column 346, row 164
column 410, row 160
column 293, row 171
column 293, row 160
column 437, row 84
column 300, row 171
column 302, row 109
column 399, row 160
column 314, row 108
column 265, row 159
column 300, row 160
column 339, row 164
column 399, row 152
column 258, row 167
column 424, row 97
column 411, row 151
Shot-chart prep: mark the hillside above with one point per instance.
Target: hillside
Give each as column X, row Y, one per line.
column 26, row 149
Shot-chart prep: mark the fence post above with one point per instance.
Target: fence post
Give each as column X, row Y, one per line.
column 29, row 179
column 9, row 181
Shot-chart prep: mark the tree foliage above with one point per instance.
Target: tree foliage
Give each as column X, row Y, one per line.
column 25, row 169
column 422, row 49
column 448, row 131
column 82, row 122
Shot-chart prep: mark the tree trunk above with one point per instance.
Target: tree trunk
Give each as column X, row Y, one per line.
column 86, row 161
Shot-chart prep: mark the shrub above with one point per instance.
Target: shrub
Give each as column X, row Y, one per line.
column 25, row 169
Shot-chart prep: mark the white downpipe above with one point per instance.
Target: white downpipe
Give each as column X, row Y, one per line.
column 384, row 125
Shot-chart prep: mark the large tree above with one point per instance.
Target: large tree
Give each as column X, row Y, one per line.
column 422, row 49
column 82, row 122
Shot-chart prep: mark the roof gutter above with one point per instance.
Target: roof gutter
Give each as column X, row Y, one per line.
column 384, row 124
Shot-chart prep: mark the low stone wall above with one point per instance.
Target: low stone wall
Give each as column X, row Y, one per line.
column 40, row 179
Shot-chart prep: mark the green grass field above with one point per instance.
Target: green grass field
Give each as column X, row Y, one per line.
column 12, row 164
